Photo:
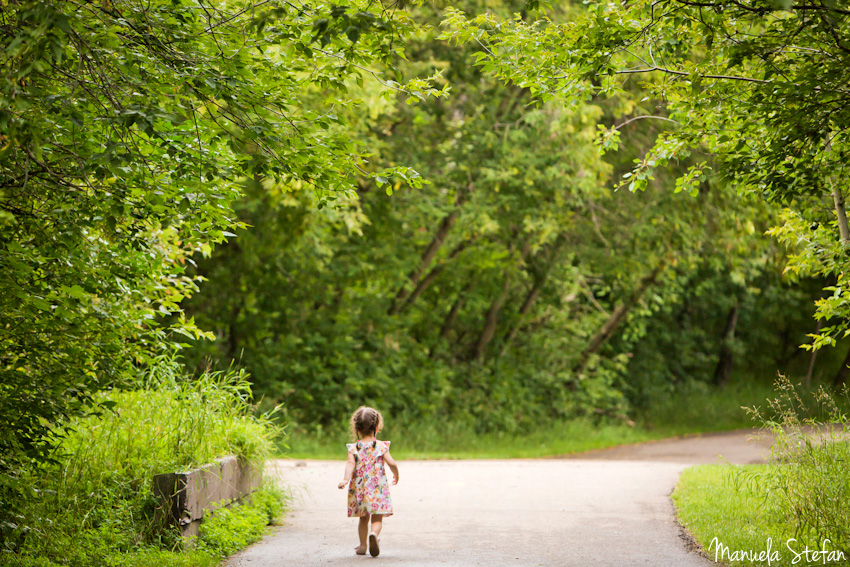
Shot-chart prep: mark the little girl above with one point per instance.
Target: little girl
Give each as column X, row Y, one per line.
column 368, row 493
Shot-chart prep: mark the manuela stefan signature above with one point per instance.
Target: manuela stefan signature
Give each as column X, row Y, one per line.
column 806, row 556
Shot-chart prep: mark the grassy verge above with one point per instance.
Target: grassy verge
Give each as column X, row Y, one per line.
column 691, row 409
column 792, row 510
column 226, row 532
column 730, row 505
column 712, row 502
column 93, row 504
column 458, row 443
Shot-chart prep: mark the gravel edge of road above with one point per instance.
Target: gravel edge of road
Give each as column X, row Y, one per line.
column 690, row 542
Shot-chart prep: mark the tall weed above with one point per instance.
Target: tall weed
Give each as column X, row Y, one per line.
column 808, row 474
column 95, row 499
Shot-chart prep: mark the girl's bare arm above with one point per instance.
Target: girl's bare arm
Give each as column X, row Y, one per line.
column 349, row 470
column 393, row 466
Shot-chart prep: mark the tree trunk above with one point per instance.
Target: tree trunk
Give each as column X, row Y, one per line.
column 811, row 369
column 726, row 358
column 431, row 276
column 533, row 294
column 451, row 316
column 617, row 317
column 491, row 319
column 843, row 372
column 232, row 339
column 449, row 321
column 526, row 306
column 841, row 213
column 431, row 251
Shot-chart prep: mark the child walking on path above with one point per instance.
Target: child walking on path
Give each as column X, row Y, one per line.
column 368, row 492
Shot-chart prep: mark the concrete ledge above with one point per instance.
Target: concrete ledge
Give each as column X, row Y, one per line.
column 187, row 496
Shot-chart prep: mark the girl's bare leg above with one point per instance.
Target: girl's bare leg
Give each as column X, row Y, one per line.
column 377, row 523
column 363, row 532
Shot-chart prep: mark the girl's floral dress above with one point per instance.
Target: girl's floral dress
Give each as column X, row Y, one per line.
column 369, row 492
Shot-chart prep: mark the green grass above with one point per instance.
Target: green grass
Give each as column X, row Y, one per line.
column 151, row 557
column 690, row 409
column 731, row 503
column 700, row 407
column 94, row 504
column 712, row 502
column 224, row 533
column 790, row 511
column 457, row 443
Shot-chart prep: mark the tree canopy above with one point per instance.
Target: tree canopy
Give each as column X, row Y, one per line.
column 760, row 86
column 127, row 130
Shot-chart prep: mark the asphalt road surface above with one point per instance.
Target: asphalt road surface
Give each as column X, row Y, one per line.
column 609, row 507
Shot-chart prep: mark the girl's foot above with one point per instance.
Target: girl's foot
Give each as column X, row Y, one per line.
column 374, row 550
column 360, row 550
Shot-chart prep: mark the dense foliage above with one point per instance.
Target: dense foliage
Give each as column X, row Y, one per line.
column 760, row 86
column 516, row 287
column 127, row 129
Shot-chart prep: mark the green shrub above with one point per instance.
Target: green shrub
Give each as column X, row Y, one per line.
column 272, row 501
column 231, row 529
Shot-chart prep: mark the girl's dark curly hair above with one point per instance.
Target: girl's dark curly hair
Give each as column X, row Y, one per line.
column 366, row 421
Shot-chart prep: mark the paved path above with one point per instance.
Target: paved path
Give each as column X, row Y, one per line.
column 737, row 447
column 608, row 507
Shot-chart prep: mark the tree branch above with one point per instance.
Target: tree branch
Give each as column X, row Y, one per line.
column 674, row 72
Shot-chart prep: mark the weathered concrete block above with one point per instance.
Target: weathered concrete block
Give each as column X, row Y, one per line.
column 188, row 496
